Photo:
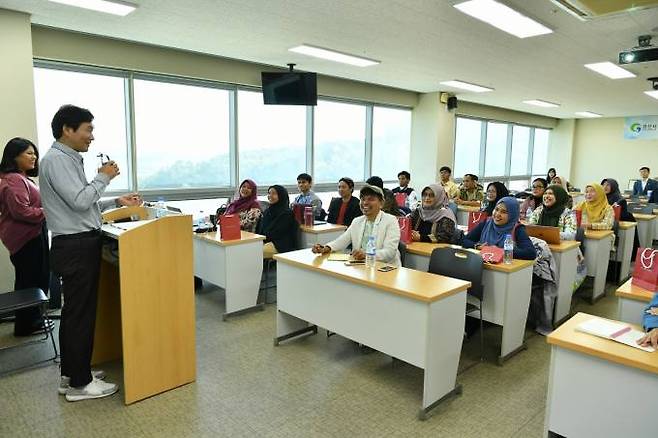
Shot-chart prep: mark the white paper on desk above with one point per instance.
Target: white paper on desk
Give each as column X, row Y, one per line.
column 130, row 225
column 610, row 330
column 339, row 257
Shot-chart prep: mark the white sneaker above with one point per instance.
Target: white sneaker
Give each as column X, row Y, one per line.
column 64, row 382
column 95, row 389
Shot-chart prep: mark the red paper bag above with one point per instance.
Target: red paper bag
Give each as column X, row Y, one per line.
column 405, row 229
column 579, row 217
column 492, row 254
column 645, row 273
column 401, row 199
column 229, row 227
column 298, row 212
column 617, row 210
column 475, row 217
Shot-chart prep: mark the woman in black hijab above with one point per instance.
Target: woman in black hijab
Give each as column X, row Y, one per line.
column 495, row 192
column 612, row 192
column 278, row 224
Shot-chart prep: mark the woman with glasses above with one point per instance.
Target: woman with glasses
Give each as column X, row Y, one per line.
column 495, row 192
column 495, row 229
column 433, row 221
column 535, row 199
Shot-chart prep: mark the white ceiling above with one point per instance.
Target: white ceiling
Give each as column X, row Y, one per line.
column 419, row 42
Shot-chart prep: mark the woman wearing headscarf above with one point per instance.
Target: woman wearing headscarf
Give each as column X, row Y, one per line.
column 535, row 199
column 278, row 225
column 613, row 195
column 245, row 205
column 596, row 213
column 554, row 212
column 495, row 192
column 562, row 182
column 493, row 231
column 433, row 221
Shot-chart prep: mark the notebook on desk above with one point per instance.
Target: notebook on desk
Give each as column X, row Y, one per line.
column 614, row 331
column 547, row 234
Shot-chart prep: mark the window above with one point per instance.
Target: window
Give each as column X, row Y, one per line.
column 391, row 138
column 540, row 153
column 496, row 148
column 467, row 147
column 182, row 136
column 271, row 140
column 520, row 148
column 512, row 153
column 339, row 141
column 100, row 94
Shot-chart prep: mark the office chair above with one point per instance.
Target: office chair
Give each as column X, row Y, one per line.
column 467, row 266
column 23, row 299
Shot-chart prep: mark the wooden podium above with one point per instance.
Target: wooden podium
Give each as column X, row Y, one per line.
column 145, row 312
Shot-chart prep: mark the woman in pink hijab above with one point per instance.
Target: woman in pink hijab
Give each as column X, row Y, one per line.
column 245, row 204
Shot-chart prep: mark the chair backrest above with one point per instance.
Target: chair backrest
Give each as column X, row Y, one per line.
column 580, row 237
column 264, row 205
column 458, row 263
column 402, row 249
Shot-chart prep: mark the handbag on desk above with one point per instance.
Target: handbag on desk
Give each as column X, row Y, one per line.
column 492, row 254
column 229, row 227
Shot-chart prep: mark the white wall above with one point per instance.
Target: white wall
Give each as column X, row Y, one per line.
column 17, row 112
column 560, row 150
column 600, row 151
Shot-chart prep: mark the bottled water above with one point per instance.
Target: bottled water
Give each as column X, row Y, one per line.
column 371, row 252
column 160, row 207
column 508, row 248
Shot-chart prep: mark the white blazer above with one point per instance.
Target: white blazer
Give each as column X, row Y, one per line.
column 387, row 237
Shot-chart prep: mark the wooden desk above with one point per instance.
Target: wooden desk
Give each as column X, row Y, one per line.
column 624, row 253
column 322, row 234
column 598, row 244
column 506, row 294
column 632, row 300
column 566, row 260
column 462, row 213
column 598, row 387
column 414, row 316
column 646, row 224
column 234, row 265
column 146, row 306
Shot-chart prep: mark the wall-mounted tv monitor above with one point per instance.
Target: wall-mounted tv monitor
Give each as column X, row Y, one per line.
column 289, row 88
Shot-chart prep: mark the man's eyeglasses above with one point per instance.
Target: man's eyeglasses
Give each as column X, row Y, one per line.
column 537, row 187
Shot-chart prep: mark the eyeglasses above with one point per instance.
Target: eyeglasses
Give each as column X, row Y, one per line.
column 537, row 186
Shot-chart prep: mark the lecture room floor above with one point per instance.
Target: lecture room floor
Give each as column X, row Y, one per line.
column 316, row 386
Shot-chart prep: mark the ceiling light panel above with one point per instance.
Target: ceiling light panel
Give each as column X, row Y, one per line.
column 332, row 55
column 503, row 17
column 107, row 6
column 466, row 86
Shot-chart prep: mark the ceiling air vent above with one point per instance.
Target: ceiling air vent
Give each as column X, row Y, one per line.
column 591, row 9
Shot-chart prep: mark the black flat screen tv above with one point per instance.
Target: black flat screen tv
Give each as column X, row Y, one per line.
column 289, row 88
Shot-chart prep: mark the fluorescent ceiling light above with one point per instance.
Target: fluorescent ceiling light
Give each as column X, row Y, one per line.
column 588, row 114
column 613, row 71
column 542, row 103
column 466, row 86
column 332, row 55
column 503, row 17
column 107, row 6
column 653, row 94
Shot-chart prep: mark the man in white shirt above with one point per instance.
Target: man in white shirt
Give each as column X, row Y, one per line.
column 374, row 222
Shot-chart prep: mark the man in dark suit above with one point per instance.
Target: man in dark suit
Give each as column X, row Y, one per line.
column 646, row 184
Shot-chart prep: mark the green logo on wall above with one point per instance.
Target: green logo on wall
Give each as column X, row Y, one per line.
column 636, row 128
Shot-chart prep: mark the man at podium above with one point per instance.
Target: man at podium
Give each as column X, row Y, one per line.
column 73, row 215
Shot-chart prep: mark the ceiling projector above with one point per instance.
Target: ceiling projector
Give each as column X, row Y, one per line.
column 644, row 52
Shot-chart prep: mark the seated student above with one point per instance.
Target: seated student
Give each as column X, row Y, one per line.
column 495, row 192
column 451, row 187
column 306, row 195
column 374, row 222
column 642, row 186
column 552, row 173
column 470, row 192
column 650, row 323
column 433, row 221
column 375, row 181
column 404, row 178
column 553, row 212
column 494, row 230
column 614, row 197
column 278, row 224
column 596, row 213
column 535, row 199
column 344, row 209
column 562, row 182
column 245, row 204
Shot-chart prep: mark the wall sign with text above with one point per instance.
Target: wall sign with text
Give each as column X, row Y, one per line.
column 641, row 128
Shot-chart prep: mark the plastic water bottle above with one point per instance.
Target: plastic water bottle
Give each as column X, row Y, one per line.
column 371, row 252
column 160, row 207
column 508, row 248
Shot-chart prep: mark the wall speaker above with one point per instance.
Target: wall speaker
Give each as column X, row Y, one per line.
column 452, row 103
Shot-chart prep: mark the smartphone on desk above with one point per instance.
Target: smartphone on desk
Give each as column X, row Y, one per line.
column 355, row 262
column 386, row 268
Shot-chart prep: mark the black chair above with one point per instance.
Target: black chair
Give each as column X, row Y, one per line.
column 467, row 266
column 23, row 299
column 580, row 237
